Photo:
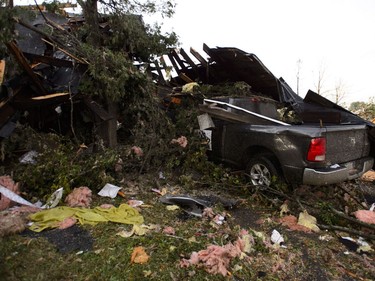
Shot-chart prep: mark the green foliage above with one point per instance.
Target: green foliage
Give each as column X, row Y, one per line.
column 52, row 6
column 326, row 214
column 192, row 161
column 363, row 109
column 111, row 74
column 6, row 25
column 162, row 7
column 59, row 163
column 239, row 89
column 142, row 42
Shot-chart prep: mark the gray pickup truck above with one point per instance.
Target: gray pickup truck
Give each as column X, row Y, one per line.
column 274, row 133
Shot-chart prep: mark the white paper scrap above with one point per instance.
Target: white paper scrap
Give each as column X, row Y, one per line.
column 109, row 190
column 276, row 237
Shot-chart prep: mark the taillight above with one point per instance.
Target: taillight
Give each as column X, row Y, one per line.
column 317, row 150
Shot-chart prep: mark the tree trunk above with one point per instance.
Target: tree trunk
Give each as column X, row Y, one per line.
column 106, row 130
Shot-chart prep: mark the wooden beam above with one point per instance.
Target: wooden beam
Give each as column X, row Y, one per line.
column 179, row 61
column 160, row 73
column 171, row 58
column 51, row 41
column 97, row 109
column 20, row 58
column 83, row 61
column 48, row 60
column 2, row 71
column 207, row 49
column 203, row 62
column 188, row 59
column 50, row 96
column 198, row 57
column 186, row 78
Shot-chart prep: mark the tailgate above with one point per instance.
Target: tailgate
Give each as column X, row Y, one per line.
column 346, row 143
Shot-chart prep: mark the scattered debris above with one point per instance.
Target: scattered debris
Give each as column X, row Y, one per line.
column 366, row 216
column 139, row 255
column 160, row 192
column 54, row 199
column 190, row 205
column 292, row 223
column 181, row 141
column 79, row 197
column 137, row 151
column 219, row 219
column 276, row 238
column 11, row 224
column 284, row 209
column 215, row 259
column 6, row 182
column 109, row 190
column 107, row 206
column 51, row 218
column 138, row 229
column 189, row 87
column 9, row 191
column 308, row 221
column 172, row 207
column 134, row 203
column 169, row 230
column 29, row 157
column 360, row 245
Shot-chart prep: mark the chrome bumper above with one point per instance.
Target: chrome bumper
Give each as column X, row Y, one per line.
column 337, row 173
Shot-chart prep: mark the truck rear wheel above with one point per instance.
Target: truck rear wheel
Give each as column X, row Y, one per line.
column 262, row 170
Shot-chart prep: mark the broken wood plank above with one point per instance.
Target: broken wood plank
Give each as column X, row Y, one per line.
column 162, row 61
column 178, row 60
column 207, row 49
column 203, row 62
column 188, row 59
column 20, row 58
column 83, row 61
column 52, row 42
column 50, row 22
column 184, row 77
column 175, row 66
column 160, row 73
column 48, row 60
column 97, row 109
column 2, row 71
column 50, row 96
column 199, row 57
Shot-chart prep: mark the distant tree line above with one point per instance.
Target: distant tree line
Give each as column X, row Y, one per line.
column 364, row 109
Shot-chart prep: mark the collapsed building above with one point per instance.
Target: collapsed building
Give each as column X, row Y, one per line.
column 47, row 88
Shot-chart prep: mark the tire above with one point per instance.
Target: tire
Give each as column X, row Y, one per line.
column 262, row 170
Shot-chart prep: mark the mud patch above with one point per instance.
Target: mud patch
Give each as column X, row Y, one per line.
column 246, row 218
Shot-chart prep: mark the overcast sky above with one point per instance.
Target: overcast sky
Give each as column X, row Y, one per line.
column 336, row 37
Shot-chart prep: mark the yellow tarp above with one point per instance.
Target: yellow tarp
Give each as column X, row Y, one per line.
column 52, row 217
